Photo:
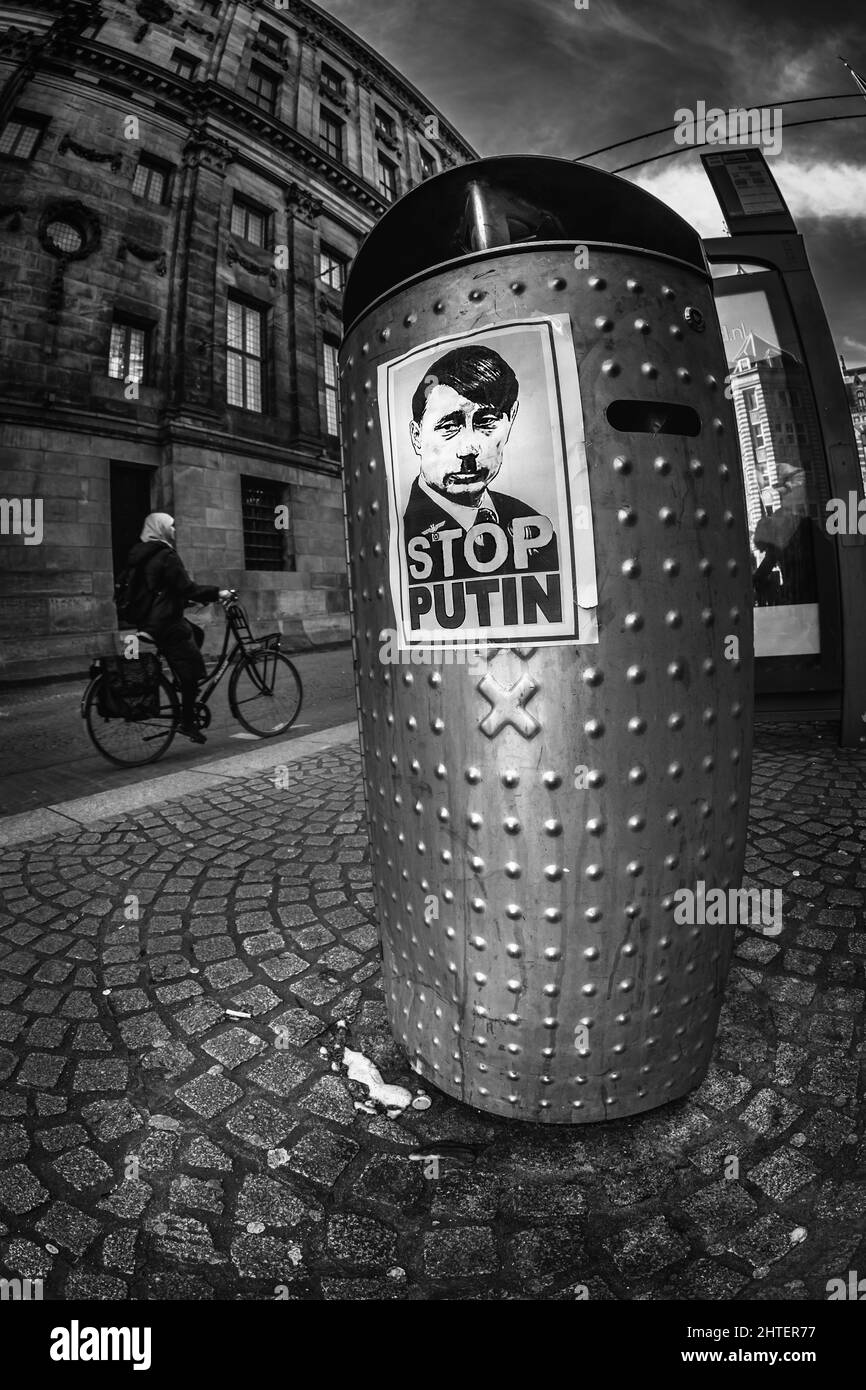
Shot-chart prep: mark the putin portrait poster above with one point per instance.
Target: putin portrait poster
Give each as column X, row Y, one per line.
column 491, row 536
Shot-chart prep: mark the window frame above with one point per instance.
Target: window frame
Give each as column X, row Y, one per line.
column 338, row 261
column 384, row 123
column 179, row 59
column 328, row 116
column 247, row 206
column 384, row 163
column 248, row 306
column 271, row 42
column 426, row 156
column 153, row 165
column 131, row 323
column 337, row 89
column 279, row 496
column 266, row 75
column 25, row 120
column 330, row 346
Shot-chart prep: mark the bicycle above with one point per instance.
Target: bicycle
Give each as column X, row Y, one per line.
column 257, row 666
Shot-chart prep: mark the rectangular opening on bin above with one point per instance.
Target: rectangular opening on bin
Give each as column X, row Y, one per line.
column 653, row 417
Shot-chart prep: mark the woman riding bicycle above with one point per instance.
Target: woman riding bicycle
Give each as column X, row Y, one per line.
column 171, row 589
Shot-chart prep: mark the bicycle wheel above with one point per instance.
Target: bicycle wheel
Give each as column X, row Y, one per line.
column 265, row 693
column 128, row 742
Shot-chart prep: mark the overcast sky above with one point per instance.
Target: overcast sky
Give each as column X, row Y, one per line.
column 541, row 76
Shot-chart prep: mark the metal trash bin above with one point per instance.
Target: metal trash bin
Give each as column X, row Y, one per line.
column 552, row 617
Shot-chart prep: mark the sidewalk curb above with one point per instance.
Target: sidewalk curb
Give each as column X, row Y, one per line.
column 65, row 816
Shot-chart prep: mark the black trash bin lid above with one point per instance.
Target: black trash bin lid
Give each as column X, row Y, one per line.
column 507, row 200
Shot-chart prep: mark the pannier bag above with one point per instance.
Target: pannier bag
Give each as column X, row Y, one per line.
column 130, row 687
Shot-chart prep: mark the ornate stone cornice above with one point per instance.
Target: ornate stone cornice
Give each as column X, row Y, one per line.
column 142, row 253
column 209, row 150
column 234, row 257
column 87, row 152
column 302, row 204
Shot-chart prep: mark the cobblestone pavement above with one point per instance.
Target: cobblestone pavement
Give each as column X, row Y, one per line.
column 172, row 1128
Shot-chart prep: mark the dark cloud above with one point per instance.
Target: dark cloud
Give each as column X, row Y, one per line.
column 541, row 76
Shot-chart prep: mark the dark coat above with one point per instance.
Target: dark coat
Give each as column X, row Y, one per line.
column 166, row 578
column 424, row 517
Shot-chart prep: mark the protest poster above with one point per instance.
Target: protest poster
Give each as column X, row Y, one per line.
column 491, row 537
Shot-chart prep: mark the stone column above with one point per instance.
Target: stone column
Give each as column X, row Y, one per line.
column 302, row 211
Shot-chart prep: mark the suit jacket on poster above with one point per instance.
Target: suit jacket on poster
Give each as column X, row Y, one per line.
column 423, row 517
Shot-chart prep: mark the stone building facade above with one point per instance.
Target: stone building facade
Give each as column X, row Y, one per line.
column 183, row 184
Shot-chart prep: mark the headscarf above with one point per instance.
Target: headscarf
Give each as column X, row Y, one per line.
column 157, row 527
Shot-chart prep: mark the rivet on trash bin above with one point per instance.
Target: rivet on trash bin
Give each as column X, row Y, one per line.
column 603, row 324
column 595, row 825
column 708, row 666
column 515, row 912
column 594, row 871
column 729, row 842
column 513, row 986
column 407, row 323
column 550, row 1023
column 446, row 856
column 437, row 725
column 513, row 1048
column 480, row 978
column 473, row 775
column 636, row 725
column 675, row 330
column 671, row 861
column 552, row 914
column 633, row 621
column 591, row 953
column 509, row 778
column 439, row 307
column 621, row 464
column 703, row 852
column 633, row 285
column 673, row 816
column 718, row 426
column 634, row 868
column 596, row 282
column 517, row 287
column 709, row 716
column 415, row 766
column 434, row 679
column 408, row 678
column 552, row 780
column 630, row 568
column 675, row 770
column 553, row 872
column 440, row 770
column 513, row 869
column 556, row 282
column 648, row 370
column 551, row 991
column 592, row 676
column 552, row 953
column 475, row 820
column 667, row 516
column 671, row 567
column 724, row 470
column 476, row 864
column 610, row 367
column 478, row 905
column 636, row 822
column 511, row 825
column 589, row 990
column 674, row 618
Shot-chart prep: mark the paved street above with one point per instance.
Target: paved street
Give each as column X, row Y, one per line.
column 47, row 757
column 176, row 1123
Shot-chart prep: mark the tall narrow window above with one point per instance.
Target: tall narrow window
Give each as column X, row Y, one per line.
column 428, row 163
column 332, row 268
column 332, row 398
column 249, row 222
column 388, row 186
column 266, row 546
column 151, row 180
column 262, row 88
column 244, row 356
column 385, row 124
column 128, row 350
column 21, row 134
column 331, row 133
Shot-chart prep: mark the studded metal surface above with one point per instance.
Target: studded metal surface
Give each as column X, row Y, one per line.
column 532, row 964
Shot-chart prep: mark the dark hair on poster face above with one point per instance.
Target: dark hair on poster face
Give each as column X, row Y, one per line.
column 478, row 373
